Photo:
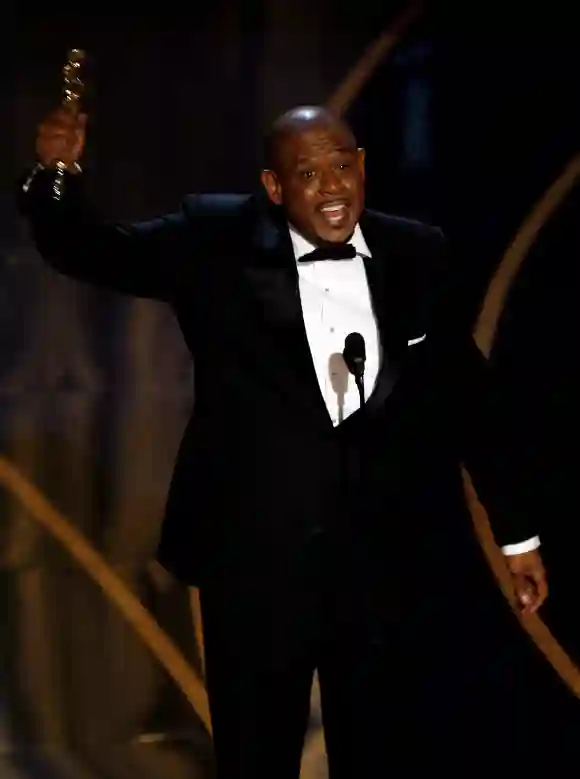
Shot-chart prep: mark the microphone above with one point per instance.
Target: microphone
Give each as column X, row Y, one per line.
column 354, row 355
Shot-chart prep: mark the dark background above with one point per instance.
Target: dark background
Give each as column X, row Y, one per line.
column 465, row 125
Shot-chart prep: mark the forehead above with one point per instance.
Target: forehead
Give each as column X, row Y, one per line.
column 304, row 145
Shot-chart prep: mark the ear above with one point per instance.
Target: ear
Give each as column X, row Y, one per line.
column 272, row 186
column 361, row 155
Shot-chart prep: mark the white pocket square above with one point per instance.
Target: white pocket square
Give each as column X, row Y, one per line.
column 418, row 340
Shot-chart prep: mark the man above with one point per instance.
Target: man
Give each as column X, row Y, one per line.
column 300, row 516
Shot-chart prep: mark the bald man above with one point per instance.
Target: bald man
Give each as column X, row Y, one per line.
column 314, row 484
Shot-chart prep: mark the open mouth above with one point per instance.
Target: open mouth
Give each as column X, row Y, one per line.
column 335, row 213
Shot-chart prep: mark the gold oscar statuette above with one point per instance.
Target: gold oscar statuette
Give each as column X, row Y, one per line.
column 72, row 93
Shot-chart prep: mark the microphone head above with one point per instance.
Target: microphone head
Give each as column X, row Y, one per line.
column 354, row 353
column 354, row 346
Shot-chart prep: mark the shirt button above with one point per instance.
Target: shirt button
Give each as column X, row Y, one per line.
column 327, row 289
column 332, row 329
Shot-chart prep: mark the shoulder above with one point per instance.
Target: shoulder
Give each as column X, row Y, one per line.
column 222, row 204
column 218, row 219
column 416, row 252
column 402, row 228
column 417, row 248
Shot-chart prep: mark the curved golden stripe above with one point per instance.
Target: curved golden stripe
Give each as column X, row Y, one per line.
column 487, row 322
column 372, row 57
column 95, row 565
column 533, row 624
column 484, row 333
column 195, row 606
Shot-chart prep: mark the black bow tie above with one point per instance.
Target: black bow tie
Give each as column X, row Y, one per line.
column 339, row 251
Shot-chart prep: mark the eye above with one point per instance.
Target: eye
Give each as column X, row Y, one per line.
column 307, row 174
column 344, row 165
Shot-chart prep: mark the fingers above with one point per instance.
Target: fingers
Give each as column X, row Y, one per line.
column 61, row 136
column 525, row 594
column 531, row 591
column 528, row 602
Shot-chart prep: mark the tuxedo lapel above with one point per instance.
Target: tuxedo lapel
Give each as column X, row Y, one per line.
column 385, row 279
column 272, row 278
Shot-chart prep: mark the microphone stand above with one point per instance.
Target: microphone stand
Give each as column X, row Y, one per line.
column 359, row 381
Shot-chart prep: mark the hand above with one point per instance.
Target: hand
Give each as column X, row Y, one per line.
column 61, row 136
column 529, row 580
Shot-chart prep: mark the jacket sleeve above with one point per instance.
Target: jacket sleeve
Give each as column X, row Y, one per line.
column 492, row 450
column 484, row 423
column 139, row 259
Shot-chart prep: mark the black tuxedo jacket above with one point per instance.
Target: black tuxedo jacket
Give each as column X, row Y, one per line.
column 261, row 471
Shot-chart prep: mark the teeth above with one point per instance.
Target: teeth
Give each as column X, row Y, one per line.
column 333, row 208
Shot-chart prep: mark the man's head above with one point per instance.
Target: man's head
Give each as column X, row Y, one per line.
column 315, row 171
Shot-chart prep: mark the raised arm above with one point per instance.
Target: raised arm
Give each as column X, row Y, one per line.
column 139, row 259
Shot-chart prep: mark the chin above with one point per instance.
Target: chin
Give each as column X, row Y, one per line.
column 338, row 235
column 333, row 234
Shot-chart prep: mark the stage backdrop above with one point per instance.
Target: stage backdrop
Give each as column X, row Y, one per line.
column 95, row 389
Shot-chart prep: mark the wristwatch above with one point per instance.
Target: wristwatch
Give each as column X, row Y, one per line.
column 38, row 167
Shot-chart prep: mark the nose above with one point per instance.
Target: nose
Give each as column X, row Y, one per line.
column 331, row 182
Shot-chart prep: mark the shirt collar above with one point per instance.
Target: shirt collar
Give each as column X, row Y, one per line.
column 302, row 246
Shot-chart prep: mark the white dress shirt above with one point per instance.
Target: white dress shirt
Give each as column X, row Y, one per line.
column 336, row 301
